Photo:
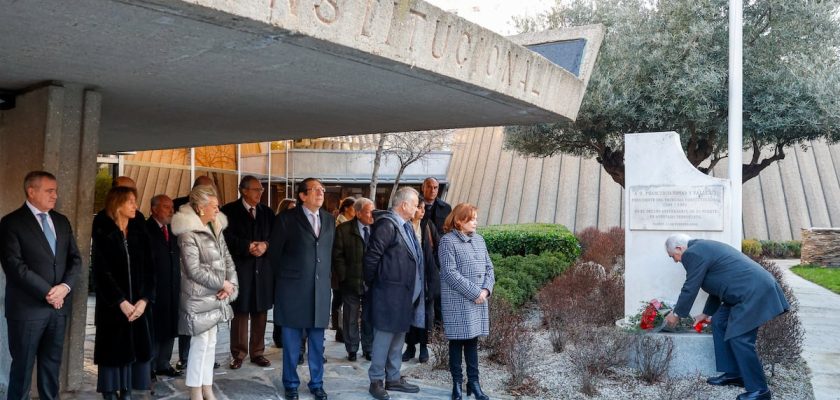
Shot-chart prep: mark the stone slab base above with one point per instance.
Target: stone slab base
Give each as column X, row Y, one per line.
column 694, row 353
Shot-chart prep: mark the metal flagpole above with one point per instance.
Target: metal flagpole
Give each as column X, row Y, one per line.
column 736, row 143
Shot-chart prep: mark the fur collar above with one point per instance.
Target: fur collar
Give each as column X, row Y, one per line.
column 186, row 220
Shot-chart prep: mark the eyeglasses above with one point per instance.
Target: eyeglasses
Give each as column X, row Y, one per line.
column 317, row 190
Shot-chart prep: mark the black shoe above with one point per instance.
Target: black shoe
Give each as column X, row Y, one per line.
column 377, row 390
column 456, row 391
column 216, row 365
column 351, row 356
column 424, row 354
column 109, row 395
column 170, row 372
column 181, row 365
column 474, row 388
column 726, row 380
column 408, row 354
column 290, row 394
column 402, row 386
column 367, row 355
column 125, row 395
column 325, row 359
column 319, row 393
column 765, row 394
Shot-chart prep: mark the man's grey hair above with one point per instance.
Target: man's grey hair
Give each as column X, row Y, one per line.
column 404, row 193
column 200, row 196
column 243, row 184
column 677, row 240
column 361, row 202
column 158, row 198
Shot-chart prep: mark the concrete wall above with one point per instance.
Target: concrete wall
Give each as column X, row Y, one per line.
column 797, row 192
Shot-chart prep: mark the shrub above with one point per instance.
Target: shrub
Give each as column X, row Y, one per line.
column 518, row 277
column 506, row 325
column 440, row 348
column 751, row 248
column 794, row 249
column 597, row 350
column 524, row 239
column 602, row 247
column 585, row 294
column 683, row 389
column 787, row 249
column 521, row 354
column 780, row 340
column 652, row 355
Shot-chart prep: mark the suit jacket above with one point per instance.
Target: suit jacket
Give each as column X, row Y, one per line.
column 302, row 264
column 180, row 201
column 732, row 278
column 167, row 268
column 30, row 266
column 437, row 213
column 347, row 256
column 390, row 267
column 256, row 278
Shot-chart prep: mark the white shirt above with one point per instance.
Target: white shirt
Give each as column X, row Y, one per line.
column 309, row 215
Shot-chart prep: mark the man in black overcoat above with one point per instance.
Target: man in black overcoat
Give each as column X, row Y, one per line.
column 301, row 249
column 247, row 236
column 39, row 256
column 436, row 209
column 742, row 297
column 167, row 267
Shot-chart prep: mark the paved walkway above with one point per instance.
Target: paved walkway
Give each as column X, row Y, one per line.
column 343, row 380
column 819, row 309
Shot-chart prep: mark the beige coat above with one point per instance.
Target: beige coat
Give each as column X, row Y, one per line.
column 205, row 265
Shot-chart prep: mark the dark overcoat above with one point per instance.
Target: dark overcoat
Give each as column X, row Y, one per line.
column 167, row 268
column 122, row 271
column 429, row 241
column 730, row 277
column 256, row 278
column 31, row 267
column 302, row 263
column 347, row 257
column 390, row 267
column 437, row 213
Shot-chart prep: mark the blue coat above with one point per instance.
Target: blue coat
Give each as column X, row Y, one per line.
column 732, row 278
column 465, row 269
column 390, row 271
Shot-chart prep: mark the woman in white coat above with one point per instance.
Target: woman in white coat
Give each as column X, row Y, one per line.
column 208, row 284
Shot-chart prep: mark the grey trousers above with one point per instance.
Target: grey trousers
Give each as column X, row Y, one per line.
column 386, row 358
column 355, row 328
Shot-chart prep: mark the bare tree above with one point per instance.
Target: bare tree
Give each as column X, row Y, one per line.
column 410, row 147
column 374, row 179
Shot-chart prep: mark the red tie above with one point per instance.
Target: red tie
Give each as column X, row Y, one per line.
column 253, row 212
column 165, row 233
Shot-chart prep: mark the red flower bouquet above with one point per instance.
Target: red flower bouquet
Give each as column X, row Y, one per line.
column 651, row 315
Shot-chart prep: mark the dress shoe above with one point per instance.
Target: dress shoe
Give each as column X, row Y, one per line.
column 181, row 365
column 765, row 394
column 377, row 390
column 170, row 372
column 109, row 395
column 125, row 395
column 339, row 336
column 351, row 356
column 290, row 394
column 216, row 365
column 474, row 388
column 424, row 354
column 408, row 354
column 325, row 359
column 402, row 386
column 456, row 391
column 367, row 355
column 261, row 361
column 235, row 364
column 319, row 393
column 726, row 380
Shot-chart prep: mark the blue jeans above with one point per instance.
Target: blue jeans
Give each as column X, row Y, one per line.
column 291, row 352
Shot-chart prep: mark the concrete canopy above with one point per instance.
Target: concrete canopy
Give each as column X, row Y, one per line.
column 177, row 73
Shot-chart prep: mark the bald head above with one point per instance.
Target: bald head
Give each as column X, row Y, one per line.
column 124, row 181
column 203, row 180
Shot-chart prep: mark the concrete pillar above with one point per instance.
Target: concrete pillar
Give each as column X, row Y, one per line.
column 54, row 128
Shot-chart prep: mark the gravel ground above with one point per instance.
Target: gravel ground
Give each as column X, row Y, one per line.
column 557, row 379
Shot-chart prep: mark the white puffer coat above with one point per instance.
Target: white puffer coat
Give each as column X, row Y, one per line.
column 205, row 265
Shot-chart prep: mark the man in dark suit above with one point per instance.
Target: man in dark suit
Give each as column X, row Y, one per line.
column 300, row 250
column 167, row 266
column 436, row 209
column 351, row 238
column 393, row 268
column 180, row 201
column 247, row 235
column 742, row 297
column 41, row 261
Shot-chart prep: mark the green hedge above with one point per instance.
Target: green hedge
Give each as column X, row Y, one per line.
column 524, row 239
column 519, row 277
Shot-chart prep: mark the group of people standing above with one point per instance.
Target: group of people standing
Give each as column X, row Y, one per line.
column 193, row 265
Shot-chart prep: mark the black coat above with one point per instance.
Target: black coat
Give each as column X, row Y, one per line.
column 30, row 266
column 437, row 213
column 730, row 277
column 256, row 279
column 390, row 270
column 347, row 257
column 429, row 242
column 119, row 277
column 167, row 268
column 301, row 264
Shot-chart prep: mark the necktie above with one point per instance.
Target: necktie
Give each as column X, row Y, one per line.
column 313, row 219
column 410, row 231
column 367, row 234
column 165, row 233
column 48, row 232
column 253, row 212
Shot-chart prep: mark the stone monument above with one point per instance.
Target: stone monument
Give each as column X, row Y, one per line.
column 665, row 194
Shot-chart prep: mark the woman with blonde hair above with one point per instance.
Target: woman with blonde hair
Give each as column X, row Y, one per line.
column 208, row 284
column 467, row 279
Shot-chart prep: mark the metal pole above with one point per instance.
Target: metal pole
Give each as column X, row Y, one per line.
column 238, row 163
column 268, row 185
column 192, row 165
column 736, row 142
